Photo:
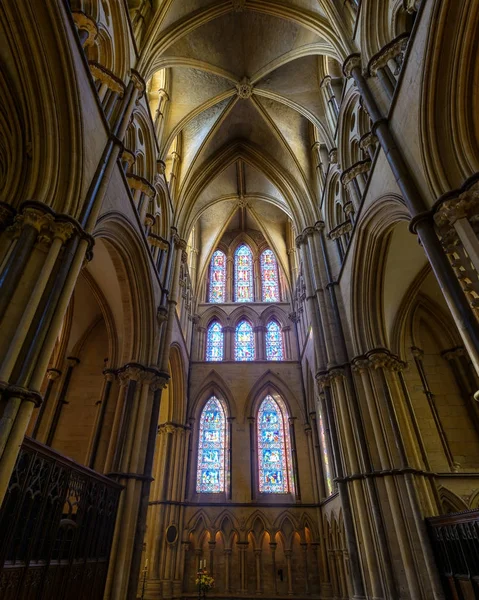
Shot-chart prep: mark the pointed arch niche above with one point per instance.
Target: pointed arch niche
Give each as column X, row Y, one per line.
column 212, row 472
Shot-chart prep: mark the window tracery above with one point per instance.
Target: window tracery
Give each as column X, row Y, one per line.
column 274, row 448
column 212, row 443
column 269, row 277
column 244, row 341
column 243, row 266
column 214, row 342
column 274, row 341
column 217, row 289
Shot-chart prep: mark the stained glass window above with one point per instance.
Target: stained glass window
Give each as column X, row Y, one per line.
column 212, row 468
column 214, row 342
column 325, row 453
column 217, row 291
column 244, row 274
column 269, row 277
column 274, row 341
column 244, row 341
column 274, row 451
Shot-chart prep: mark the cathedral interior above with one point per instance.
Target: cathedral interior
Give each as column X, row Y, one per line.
column 239, row 299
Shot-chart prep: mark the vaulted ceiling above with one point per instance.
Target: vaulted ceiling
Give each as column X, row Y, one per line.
column 244, row 105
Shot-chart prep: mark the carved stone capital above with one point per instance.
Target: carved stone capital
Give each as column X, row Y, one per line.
column 72, row 361
column 53, row 374
column 138, row 81
column 390, row 51
column 140, row 183
column 369, row 139
column 466, row 205
column 417, row 352
column 352, row 62
column 358, row 168
column 454, row 353
column 340, row 230
column 179, row 243
column 333, row 156
column 105, row 76
column 86, row 23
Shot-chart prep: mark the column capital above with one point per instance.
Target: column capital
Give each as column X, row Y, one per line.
column 72, row 361
column 379, row 358
column 352, row 62
column 86, row 23
column 454, row 353
column 53, row 374
column 389, row 51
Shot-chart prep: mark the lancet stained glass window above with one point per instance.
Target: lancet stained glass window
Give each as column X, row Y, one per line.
column 269, row 277
column 244, row 274
column 217, row 292
column 244, row 341
column 214, row 342
column 274, row 449
column 274, row 341
column 212, row 467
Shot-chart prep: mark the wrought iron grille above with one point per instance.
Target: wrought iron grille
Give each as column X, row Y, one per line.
column 455, row 539
column 56, row 528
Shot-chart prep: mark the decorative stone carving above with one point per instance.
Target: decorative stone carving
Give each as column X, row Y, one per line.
column 466, row 205
column 358, row 168
column 391, row 51
column 352, row 62
column 369, row 139
column 340, row 230
column 379, row 358
column 244, row 88
column 85, row 23
column 140, row 183
column 105, row 76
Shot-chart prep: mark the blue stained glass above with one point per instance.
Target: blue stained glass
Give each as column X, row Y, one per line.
column 214, row 342
column 269, row 277
column 244, row 341
column 211, row 472
column 217, row 292
column 274, row 449
column 244, row 274
column 274, row 342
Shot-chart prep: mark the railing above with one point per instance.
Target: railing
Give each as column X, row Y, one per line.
column 56, row 528
column 455, row 539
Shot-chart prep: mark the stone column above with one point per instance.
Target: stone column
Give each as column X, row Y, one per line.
column 273, row 546
column 421, row 221
column 72, row 362
column 98, row 428
column 287, row 555
column 257, row 556
column 229, row 333
column 243, row 548
column 52, row 376
column 227, row 555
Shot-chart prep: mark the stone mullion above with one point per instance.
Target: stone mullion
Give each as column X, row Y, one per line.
column 260, row 345
column 72, row 362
